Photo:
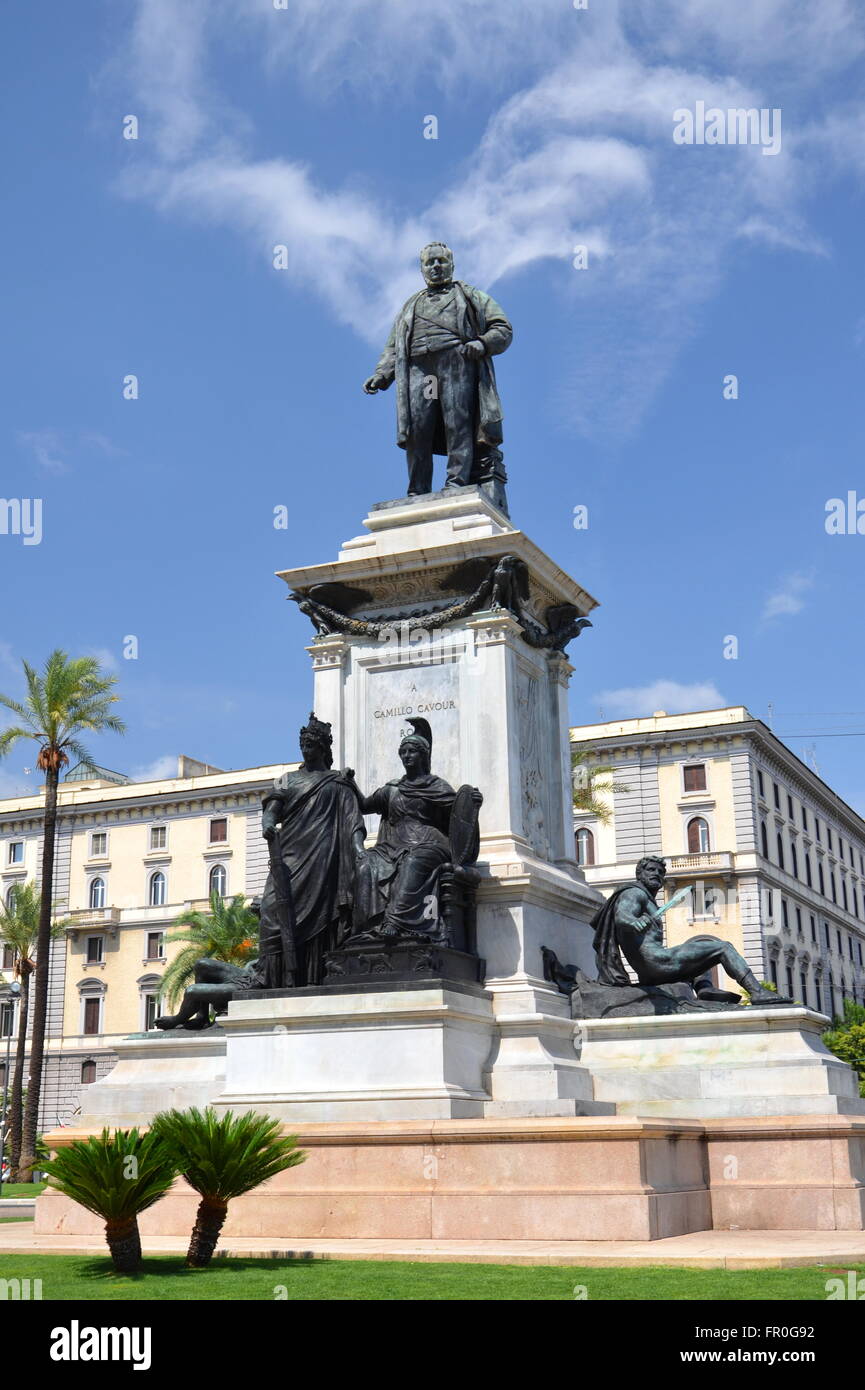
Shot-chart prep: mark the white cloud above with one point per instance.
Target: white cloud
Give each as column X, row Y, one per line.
column 580, row 151
column 52, row 448
column 638, row 701
column 788, row 598
column 107, row 659
column 157, row 771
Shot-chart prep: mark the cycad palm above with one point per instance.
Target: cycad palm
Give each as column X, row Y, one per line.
column 116, row 1176
column 19, row 930
column 69, row 698
column 589, row 781
column 228, row 932
column 222, row 1158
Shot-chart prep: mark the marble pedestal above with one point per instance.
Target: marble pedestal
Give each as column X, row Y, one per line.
column 407, row 1052
column 746, row 1062
column 156, row 1071
column 497, row 706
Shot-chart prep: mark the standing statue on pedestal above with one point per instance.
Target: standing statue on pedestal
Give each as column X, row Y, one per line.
column 315, row 832
column 440, row 353
column 428, row 834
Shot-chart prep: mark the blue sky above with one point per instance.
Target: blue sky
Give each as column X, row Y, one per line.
column 304, row 126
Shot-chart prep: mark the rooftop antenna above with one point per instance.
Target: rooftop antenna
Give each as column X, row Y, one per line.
column 811, row 757
column 770, row 712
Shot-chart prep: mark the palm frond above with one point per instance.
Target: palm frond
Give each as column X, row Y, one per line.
column 222, row 1157
column 116, row 1175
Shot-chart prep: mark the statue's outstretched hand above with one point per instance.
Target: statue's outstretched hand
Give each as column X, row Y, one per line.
column 374, row 383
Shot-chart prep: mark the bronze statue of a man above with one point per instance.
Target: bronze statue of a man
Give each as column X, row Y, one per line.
column 630, row 922
column 440, row 353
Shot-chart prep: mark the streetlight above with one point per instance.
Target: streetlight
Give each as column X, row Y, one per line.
column 14, row 989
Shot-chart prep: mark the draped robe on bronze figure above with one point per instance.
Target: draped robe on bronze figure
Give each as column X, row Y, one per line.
column 318, row 817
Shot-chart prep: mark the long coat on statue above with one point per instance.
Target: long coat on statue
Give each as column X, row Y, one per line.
column 479, row 317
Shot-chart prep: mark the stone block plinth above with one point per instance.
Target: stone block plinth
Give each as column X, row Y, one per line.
column 745, row 1062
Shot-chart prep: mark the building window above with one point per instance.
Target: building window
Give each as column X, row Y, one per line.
column 808, row 871
column 803, row 986
column 773, row 970
column 817, row 828
column 695, row 777
column 16, row 851
column 826, row 937
column 155, row 945
column 8, row 958
column 777, row 796
column 785, row 916
column 97, row 894
column 2, row 1076
column 804, row 818
column 764, row 840
column 832, row 885
column 156, row 894
column 92, row 1016
column 829, row 837
column 219, row 831
column 151, row 1010
column 780, row 843
column 790, row 806
column 794, row 860
column 98, row 844
column 821, row 879
column 88, row 1073
column 760, row 785
column 850, row 947
column 813, row 927
column 158, row 836
column 7, row 1018
column 10, row 897
column 859, row 948
column 790, row 985
column 698, row 836
column 799, row 921
column 217, row 881
column 818, row 998
column 95, row 950
column 840, row 944
column 844, row 894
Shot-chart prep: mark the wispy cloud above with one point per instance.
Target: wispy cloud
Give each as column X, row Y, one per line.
column 57, row 450
column 788, row 597
column 674, row 697
column 157, row 771
column 578, row 150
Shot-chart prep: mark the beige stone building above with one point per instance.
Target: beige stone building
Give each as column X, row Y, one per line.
column 775, row 858
column 131, row 856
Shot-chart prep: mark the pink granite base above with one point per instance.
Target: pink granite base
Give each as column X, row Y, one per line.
column 587, row 1178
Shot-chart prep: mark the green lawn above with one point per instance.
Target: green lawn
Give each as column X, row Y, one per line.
column 164, row 1277
column 22, row 1189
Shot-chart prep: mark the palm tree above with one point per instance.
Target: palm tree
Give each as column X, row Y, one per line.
column 589, row 780
column 69, row 698
column 116, row 1176
column 19, row 930
column 221, row 1159
column 228, row 932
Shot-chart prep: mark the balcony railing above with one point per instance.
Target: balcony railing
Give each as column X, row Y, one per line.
column 713, row 861
column 93, row 919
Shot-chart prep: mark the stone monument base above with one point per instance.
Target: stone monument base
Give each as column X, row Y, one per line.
column 590, row 1178
column 743, row 1062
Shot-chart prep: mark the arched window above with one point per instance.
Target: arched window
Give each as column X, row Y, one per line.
column 97, row 893
column 764, row 840
column 795, row 860
column 217, row 881
column 88, row 1073
column 585, row 842
column 698, row 836
column 780, row 843
column 157, row 889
